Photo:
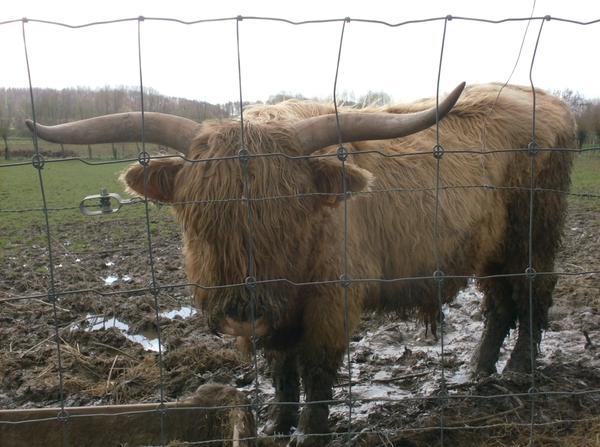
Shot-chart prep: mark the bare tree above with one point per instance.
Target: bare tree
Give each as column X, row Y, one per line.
column 380, row 98
column 583, row 109
column 282, row 96
column 5, row 121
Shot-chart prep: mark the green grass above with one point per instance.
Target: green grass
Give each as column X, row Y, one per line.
column 99, row 151
column 65, row 184
column 586, row 175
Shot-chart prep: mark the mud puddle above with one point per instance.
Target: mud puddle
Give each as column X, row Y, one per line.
column 148, row 339
column 394, row 369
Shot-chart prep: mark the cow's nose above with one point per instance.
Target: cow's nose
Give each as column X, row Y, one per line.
column 243, row 311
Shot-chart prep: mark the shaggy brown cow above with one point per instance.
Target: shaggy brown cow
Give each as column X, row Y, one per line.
column 290, row 249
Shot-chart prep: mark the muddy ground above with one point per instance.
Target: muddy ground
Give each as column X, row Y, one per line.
column 107, row 325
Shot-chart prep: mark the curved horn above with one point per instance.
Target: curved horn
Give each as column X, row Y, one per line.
column 321, row 131
column 167, row 130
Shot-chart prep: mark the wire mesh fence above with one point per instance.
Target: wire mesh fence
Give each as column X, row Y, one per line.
column 112, row 323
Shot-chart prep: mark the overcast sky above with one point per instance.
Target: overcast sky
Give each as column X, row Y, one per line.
column 199, row 61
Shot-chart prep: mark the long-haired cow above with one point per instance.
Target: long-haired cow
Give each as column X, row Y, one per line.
column 289, row 239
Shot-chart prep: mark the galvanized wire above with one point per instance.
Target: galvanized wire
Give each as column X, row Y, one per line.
column 530, row 270
column 438, row 152
column 345, row 280
column 38, row 163
column 250, row 282
column 154, row 287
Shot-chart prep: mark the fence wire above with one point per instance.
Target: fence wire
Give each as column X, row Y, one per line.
column 353, row 433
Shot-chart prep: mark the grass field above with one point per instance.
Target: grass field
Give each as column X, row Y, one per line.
column 18, row 146
column 67, row 182
column 586, row 175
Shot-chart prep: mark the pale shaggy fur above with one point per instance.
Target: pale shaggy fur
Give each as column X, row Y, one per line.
column 469, row 217
column 407, row 215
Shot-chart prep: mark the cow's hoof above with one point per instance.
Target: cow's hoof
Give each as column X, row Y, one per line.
column 522, row 367
column 482, row 371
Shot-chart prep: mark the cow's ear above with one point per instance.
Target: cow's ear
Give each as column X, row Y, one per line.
column 328, row 178
column 160, row 178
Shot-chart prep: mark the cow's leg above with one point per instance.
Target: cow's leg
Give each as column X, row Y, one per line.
column 521, row 356
column 500, row 315
column 526, row 348
column 317, row 379
column 545, row 219
column 286, row 380
column 328, row 321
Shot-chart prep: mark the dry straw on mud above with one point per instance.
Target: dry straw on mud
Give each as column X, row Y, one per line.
column 102, row 367
column 502, row 421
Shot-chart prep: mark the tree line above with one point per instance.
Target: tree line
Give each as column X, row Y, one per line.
column 54, row 106
column 71, row 104
column 587, row 115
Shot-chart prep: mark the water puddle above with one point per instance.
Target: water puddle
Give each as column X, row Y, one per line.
column 113, row 277
column 184, row 312
column 148, row 339
column 110, row 279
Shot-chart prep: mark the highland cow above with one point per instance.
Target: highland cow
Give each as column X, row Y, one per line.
column 288, row 239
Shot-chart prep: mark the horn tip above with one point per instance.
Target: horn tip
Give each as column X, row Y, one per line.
column 453, row 96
